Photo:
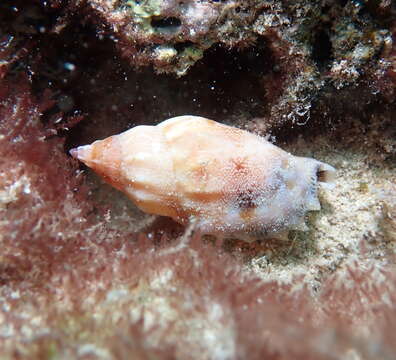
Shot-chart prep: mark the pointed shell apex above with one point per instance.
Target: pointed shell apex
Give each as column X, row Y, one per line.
column 81, row 152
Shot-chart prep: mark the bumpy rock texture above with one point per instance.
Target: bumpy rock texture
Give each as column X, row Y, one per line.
column 84, row 274
column 307, row 46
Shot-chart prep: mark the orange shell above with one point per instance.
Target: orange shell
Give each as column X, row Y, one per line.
column 225, row 179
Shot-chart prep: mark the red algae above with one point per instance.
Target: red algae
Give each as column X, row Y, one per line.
column 89, row 291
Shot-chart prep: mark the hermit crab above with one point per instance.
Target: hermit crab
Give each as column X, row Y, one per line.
column 223, row 180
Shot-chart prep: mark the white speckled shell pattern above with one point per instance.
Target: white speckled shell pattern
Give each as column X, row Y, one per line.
column 227, row 180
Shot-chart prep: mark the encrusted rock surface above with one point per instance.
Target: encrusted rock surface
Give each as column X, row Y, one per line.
column 311, row 45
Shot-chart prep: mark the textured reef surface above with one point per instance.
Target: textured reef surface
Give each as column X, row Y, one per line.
column 84, row 274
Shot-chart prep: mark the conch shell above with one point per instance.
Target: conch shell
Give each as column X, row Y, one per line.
column 225, row 180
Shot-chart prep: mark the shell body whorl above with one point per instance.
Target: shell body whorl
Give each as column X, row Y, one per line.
column 227, row 180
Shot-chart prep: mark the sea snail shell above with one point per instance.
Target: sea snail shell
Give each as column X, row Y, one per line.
column 226, row 180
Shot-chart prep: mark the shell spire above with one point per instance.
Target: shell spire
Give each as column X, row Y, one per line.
column 227, row 180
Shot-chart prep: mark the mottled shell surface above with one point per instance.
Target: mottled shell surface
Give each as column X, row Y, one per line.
column 224, row 179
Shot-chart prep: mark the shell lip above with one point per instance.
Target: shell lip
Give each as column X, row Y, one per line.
column 326, row 174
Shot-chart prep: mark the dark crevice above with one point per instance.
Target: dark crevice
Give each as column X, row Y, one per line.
column 224, row 84
column 322, row 49
column 180, row 47
column 166, row 24
column 326, row 9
